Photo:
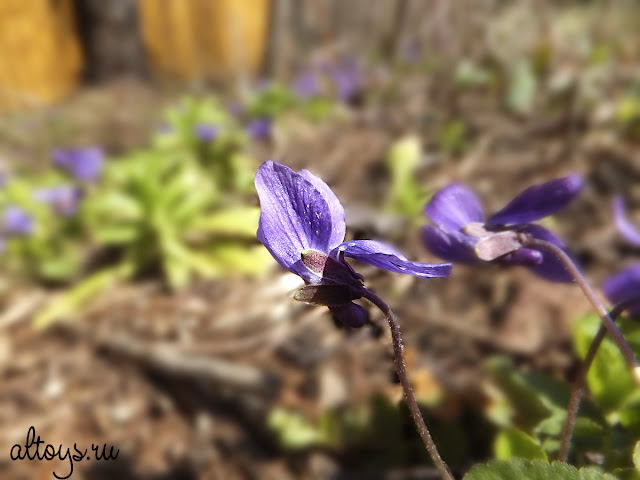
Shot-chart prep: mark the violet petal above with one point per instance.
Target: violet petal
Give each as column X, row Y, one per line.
column 453, row 207
column 336, row 209
column 294, row 217
column 538, row 201
column 623, row 286
column 629, row 231
column 383, row 256
column 549, row 268
column 451, row 246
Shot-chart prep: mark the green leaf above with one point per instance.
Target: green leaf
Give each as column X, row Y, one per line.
column 65, row 304
column 512, row 442
column 636, row 456
column 239, row 221
column 533, row 396
column 609, row 379
column 522, row 469
column 248, row 260
column 294, row 430
column 522, row 87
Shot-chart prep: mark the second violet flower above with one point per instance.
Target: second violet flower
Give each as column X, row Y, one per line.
column 461, row 233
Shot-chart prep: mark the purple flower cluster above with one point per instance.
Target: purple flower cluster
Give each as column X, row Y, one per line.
column 625, row 285
column 302, row 224
column 64, row 199
column 461, row 234
column 84, row 164
column 206, row 132
column 259, row 129
column 15, row 222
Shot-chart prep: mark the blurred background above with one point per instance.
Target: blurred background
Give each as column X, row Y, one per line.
column 138, row 309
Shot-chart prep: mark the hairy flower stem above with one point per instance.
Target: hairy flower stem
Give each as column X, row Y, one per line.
column 398, row 359
column 577, row 390
column 608, row 323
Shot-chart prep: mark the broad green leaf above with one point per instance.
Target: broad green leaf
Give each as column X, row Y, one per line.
column 629, row 413
column 116, row 233
column 294, row 430
column 533, row 396
column 512, row 442
column 636, row 456
column 522, row 87
column 248, row 260
column 68, row 302
column 241, row 221
column 608, row 379
column 522, row 469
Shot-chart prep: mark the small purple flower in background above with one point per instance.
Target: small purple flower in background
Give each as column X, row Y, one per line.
column 461, row 234
column 306, row 85
column 624, row 285
column 84, row 164
column 302, row 224
column 235, row 109
column 16, row 221
column 206, row 132
column 347, row 79
column 64, row 199
column 629, row 231
column 259, row 128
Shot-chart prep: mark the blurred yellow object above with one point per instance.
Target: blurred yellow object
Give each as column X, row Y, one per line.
column 199, row 38
column 40, row 58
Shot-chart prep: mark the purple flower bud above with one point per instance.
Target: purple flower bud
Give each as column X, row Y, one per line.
column 306, row 85
column 16, row 221
column 84, row 164
column 259, row 129
column 206, row 132
column 64, row 199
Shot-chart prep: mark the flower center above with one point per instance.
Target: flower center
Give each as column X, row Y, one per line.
column 314, row 260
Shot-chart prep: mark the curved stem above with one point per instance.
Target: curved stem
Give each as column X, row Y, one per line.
column 577, row 390
column 398, row 359
column 608, row 323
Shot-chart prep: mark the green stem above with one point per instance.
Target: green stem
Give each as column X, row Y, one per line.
column 577, row 390
column 607, row 321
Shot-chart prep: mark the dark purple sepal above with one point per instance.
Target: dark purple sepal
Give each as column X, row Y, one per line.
column 549, row 267
column 350, row 314
column 452, row 246
column 327, row 295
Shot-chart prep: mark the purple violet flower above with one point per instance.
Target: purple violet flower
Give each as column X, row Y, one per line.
column 302, row 224
column 306, row 85
column 623, row 286
column 16, row 221
column 461, row 234
column 84, row 164
column 259, row 128
column 629, row 231
column 347, row 79
column 206, row 132
column 64, row 199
